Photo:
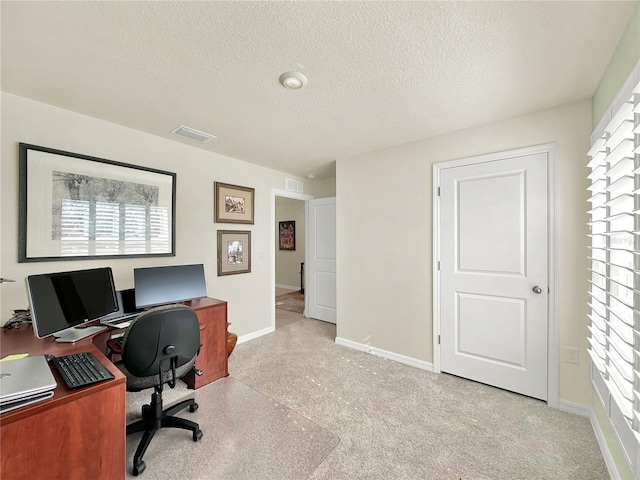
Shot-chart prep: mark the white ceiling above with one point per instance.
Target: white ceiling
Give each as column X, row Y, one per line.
column 380, row 73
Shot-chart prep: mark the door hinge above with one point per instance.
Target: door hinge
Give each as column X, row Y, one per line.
column 438, row 265
column 438, row 339
column 438, row 191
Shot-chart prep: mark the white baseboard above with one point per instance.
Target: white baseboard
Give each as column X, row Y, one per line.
column 288, row 287
column 576, row 408
column 412, row 362
column 604, row 448
column 257, row 334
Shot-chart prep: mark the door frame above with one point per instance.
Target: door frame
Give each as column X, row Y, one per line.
column 275, row 192
column 552, row 308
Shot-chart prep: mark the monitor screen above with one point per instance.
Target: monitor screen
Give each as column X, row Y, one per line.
column 171, row 284
column 126, row 307
column 63, row 300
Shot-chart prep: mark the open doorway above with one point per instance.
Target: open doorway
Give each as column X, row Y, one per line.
column 290, row 248
column 289, row 220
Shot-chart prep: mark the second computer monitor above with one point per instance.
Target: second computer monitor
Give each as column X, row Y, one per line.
column 63, row 300
column 170, row 284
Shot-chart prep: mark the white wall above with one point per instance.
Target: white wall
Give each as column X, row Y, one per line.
column 249, row 295
column 321, row 187
column 384, row 235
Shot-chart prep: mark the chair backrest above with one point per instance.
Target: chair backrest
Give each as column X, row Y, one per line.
column 158, row 335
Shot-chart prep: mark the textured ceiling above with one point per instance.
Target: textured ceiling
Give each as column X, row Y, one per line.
column 380, row 73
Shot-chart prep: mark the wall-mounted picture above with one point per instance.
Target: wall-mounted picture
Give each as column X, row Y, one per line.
column 233, row 204
column 234, row 252
column 287, row 235
column 75, row 206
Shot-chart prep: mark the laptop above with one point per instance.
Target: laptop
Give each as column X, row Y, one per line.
column 25, row 381
column 126, row 308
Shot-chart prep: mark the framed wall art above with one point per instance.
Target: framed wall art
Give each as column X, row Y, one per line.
column 287, row 235
column 233, row 204
column 234, row 252
column 78, row 207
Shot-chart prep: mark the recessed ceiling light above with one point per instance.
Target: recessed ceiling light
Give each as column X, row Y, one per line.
column 293, row 80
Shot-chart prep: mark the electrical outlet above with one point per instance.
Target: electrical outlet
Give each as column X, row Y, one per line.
column 572, row 355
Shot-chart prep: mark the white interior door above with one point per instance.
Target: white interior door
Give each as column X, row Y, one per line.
column 321, row 259
column 494, row 273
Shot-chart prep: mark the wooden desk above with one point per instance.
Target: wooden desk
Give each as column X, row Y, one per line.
column 76, row 434
column 212, row 361
column 81, row 433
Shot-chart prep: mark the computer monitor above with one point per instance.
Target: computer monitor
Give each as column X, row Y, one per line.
column 169, row 284
column 63, row 300
column 126, row 308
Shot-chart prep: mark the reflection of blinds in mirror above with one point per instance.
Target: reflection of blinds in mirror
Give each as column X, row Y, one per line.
column 135, row 219
column 102, row 228
column 74, row 234
column 107, row 228
column 159, row 229
column 614, row 285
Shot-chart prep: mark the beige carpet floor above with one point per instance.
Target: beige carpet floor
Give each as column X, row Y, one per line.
column 399, row 422
column 298, row 406
column 245, row 436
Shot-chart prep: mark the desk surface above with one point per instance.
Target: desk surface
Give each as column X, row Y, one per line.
column 49, row 439
column 22, row 340
column 52, row 438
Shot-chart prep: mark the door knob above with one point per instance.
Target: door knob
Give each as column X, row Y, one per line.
column 537, row 290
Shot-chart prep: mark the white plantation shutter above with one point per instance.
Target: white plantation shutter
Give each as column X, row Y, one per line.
column 614, row 284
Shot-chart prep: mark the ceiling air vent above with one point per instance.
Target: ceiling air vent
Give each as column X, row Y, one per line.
column 193, row 134
column 293, row 185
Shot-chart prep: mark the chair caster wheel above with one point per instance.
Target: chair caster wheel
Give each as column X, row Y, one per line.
column 139, row 468
column 197, row 435
column 193, row 408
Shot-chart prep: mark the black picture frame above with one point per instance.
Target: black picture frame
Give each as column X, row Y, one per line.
column 287, row 235
column 104, row 196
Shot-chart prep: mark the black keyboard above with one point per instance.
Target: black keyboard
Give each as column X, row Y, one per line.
column 80, row 369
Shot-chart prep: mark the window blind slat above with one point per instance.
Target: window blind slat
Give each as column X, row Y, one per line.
column 624, row 167
column 622, row 186
column 624, row 112
column 623, row 150
column 597, row 147
column 623, row 132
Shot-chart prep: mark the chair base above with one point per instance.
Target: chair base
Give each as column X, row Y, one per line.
column 154, row 418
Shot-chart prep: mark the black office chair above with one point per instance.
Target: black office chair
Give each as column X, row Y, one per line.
column 160, row 347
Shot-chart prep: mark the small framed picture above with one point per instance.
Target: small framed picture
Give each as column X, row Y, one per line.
column 287, row 235
column 234, row 252
column 233, row 204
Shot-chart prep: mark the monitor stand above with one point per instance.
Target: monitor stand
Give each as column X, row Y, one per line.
column 72, row 335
